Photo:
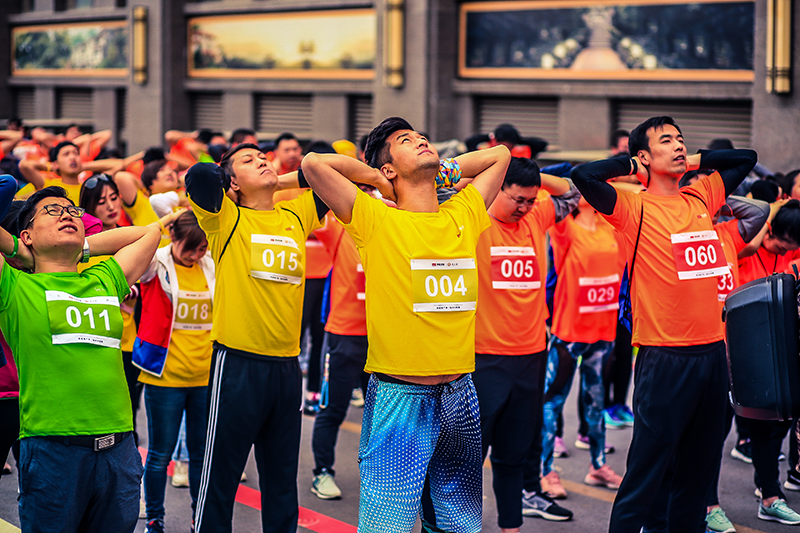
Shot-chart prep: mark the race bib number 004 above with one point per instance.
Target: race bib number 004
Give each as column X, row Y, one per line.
column 698, row 254
column 443, row 285
column 194, row 311
column 275, row 258
column 96, row 320
column 514, row 267
column 596, row 295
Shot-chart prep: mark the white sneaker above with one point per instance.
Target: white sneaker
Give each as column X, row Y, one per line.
column 357, row 398
column 325, row 487
column 180, row 474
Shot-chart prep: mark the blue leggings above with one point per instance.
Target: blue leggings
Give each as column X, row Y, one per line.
column 562, row 359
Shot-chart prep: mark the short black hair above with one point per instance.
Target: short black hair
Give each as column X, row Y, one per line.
column 57, row 149
column 320, row 147
column 507, row 133
column 153, row 153
column 185, row 228
column 786, row 224
column 362, row 142
column 522, row 172
column 227, row 159
column 616, row 135
column 29, row 209
column 638, row 137
column 204, row 135
column 720, row 144
column 151, row 170
column 377, row 150
column 765, row 190
column 9, row 223
column 787, row 182
column 286, row 136
column 14, row 121
column 239, row 135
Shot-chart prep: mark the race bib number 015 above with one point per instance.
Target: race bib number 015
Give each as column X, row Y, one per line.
column 275, row 258
column 698, row 254
column 514, row 267
column 194, row 311
column 96, row 320
column 442, row 285
column 596, row 295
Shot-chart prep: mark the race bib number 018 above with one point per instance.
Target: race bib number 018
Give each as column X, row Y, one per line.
column 514, row 267
column 275, row 258
column 96, row 320
column 596, row 295
column 698, row 254
column 194, row 311
column 442, row 285
column 361, row 283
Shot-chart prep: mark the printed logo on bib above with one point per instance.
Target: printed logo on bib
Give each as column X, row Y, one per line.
column 96, row 320
column 596, row 295
column 514, row 267
column 361, row 283
column 194, row 311
column 442, row 285
column 725, row 284
column 276, row 258
column 698, row 254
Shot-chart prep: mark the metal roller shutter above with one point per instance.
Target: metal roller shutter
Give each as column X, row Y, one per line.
column 25, row 100
column 362, row 117
column 207, row 111
column 276, row 114
column 532, row 117
column 701, row 122
column 74, row 104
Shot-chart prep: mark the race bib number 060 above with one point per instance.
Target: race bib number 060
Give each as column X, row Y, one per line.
column 275, row 258
column 442, row 285
column 698, row 254
column 96, row 320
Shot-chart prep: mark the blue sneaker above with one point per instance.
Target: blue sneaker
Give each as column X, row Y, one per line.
column 625, row 414
column 612, row 420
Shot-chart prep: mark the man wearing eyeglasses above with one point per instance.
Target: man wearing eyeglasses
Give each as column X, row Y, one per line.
column 79, row 467
column 510, row 337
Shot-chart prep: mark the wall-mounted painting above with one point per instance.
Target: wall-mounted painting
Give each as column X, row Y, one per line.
column 81, row 49
column 337, row 44
column 608, row 40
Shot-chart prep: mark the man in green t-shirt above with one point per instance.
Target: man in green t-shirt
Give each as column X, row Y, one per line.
column 79, row 467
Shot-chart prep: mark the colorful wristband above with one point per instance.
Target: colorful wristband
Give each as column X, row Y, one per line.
column 16, row 248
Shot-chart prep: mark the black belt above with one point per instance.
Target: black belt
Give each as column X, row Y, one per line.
column 96, row 442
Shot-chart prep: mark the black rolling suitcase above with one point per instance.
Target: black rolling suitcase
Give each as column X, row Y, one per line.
column 761, row 330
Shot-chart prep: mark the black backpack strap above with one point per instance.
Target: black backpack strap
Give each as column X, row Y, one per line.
column 690, row 193
column 235, row 225
column 636, row 247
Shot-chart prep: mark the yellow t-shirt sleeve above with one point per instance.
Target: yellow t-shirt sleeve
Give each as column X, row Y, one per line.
column 217, row 226
column 368, row 213
column 25, row 192
column 141, row 212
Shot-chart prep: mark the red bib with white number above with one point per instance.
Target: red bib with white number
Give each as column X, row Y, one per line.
column 361, row 283
column 698, row 254
column 725, row 284
column 515, row 267
column 598, row 294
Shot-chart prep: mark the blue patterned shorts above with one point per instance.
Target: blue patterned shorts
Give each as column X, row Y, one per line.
column 409, row 431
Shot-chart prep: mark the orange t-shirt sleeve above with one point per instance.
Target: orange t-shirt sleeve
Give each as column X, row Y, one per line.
column 628, row 209
column 712, row 190
column 560, row 239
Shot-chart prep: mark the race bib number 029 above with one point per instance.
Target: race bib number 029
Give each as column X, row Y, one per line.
column 698, row 254
column 96, row 320
column 442, row 285
column 514, row 267
column 596, row 295
column 275, row 258
column 194, row 311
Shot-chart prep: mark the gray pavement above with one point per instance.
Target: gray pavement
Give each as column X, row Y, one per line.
column 592, row 506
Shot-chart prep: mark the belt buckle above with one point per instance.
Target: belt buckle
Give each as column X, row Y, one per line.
column 107, row 441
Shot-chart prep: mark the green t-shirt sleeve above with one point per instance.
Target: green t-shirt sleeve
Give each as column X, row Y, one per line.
column 8, row 284
column 110, row 274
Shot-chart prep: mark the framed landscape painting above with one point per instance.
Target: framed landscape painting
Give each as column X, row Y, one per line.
column 608, row 40
column 335, row 44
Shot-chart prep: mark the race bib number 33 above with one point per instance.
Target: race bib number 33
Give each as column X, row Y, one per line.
column 276, row 258
column 96, row 320
column 698, row 254
column 442, row 285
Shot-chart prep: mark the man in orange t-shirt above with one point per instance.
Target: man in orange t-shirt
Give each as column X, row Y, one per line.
column 681, row 372
column 510, row 336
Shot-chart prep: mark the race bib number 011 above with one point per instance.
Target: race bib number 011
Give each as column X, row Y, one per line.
column 96, row 320
column 596, row 295
column 194, row 311
column 275, row 258
column 698, row 254
column 442, row 285
column 361, row 283
column 514, row 267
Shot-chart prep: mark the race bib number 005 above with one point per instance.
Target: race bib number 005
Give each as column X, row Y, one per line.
column 698, row 254
column 596, row 295
column 514, row 267
column 96, row 320
column 443, row 285
column 275, row 258
column 194, row 311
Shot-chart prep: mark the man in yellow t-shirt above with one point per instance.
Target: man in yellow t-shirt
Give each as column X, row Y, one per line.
column 255, row 383
column 421, row 413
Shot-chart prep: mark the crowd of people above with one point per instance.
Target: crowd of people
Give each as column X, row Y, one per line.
column 453, row 294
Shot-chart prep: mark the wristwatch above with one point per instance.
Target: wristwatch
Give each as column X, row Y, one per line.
column 85, row 257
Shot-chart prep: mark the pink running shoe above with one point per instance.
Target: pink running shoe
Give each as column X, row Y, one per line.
column 560, row 448
column 603, row 477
